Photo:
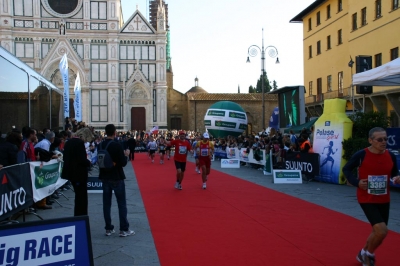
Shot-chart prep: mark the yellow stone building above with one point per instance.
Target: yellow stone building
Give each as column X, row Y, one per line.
column 335, row 32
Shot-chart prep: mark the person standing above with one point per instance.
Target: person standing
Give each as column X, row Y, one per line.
column 75, row 169
column 182, row 147
column 114, row 180
column 376, row 166
column 205, row 149
column 132, row 146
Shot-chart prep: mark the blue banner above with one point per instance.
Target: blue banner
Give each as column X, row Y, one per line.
column 65, row 78
column 393, row 142
column 78, row 101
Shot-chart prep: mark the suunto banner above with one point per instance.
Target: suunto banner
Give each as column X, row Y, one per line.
column 15, row 190
column 307, row 163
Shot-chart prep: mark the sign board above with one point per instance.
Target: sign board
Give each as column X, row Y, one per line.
column 64, row 241
column 94, row 185
column 230, row 163
column 287, row 177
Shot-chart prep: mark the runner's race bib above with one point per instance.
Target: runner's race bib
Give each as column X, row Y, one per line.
column 377, row 184
column 204, row 152
column 182, row 150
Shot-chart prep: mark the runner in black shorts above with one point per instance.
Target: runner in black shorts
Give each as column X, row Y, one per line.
column 162, row 145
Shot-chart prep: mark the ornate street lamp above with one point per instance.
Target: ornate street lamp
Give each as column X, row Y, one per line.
column 272, row 52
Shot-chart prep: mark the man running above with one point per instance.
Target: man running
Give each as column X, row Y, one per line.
column 182, row 147
column 205, row 149
column 168, row 148
column 161, row 148
column 152, row 146
column 196, row 157
column 376, row 166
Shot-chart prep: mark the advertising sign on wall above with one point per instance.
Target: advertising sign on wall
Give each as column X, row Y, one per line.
column 287, row 177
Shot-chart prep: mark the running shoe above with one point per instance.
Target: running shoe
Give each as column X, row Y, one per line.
column 126, row 233
column 360, row 257
column 180, row 187
column 197, row 170
column 368, row 260
column 204, row 186
column 109, row 232
column 177, row 185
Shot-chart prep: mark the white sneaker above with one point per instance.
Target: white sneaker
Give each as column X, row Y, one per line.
column 126, row 233
column 204, row 186
column 180, row 187
column 177, row 185
column 197, row 169
column 109, row 232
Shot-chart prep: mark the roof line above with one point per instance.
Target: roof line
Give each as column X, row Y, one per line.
column 299, row 17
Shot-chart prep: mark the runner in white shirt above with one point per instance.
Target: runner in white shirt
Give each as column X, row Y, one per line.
column 152, row 146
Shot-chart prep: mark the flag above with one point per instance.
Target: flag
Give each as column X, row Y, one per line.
column 64, row 75
column 77, row 101
column 154, row 130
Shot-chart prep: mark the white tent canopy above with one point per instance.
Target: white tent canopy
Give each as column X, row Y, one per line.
column 385, row 75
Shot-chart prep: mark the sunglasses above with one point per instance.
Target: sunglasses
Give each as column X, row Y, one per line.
column 381, row 139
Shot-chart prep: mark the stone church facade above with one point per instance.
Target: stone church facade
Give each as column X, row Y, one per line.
column 122, row 65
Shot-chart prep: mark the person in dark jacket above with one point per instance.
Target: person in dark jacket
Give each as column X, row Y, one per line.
column 131, row 145
column 75, row 168
column 113, row 180
column 9, row 148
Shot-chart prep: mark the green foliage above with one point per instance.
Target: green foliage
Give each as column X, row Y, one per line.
column 275, row 85
column 267, row 86
column 362, row 123
column 252, row 89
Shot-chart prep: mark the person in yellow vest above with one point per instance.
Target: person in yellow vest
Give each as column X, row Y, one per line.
column 205, row 150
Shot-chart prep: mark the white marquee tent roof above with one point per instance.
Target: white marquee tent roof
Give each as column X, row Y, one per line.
column 385, row 75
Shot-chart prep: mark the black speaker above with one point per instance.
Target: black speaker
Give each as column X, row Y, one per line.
column 363, row 63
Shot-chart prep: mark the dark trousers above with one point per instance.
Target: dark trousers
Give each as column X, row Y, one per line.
column 132, row 154
column 81, row 198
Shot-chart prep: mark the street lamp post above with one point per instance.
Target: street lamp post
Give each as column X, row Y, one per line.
column 272, row 52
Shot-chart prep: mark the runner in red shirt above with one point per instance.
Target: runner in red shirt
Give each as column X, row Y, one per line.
column 205, row 149
column 376, row 168
column 182, row 147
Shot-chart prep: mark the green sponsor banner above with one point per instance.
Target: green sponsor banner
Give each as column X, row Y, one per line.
column 283, row 174
column 237, row 115
column 207, row 122
column 46, row 175
column 225, row 124
column 243, row 126
column 216, row 113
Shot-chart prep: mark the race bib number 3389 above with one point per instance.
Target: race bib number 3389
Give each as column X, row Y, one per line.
column 377, row 184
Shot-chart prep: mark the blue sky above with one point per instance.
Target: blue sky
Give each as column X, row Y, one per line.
column 210, row 39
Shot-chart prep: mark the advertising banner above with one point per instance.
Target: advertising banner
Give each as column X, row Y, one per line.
column 330, row 130
column 307, row 163
column 15, row 190
column 232, row 153
column 268, row 170
column 63, row 241
column 287, row 177
column 45, row 178
column 230, row 163
column 393, row 135
column 63, row 66
column 94, row 185
column 248, row 156
column 78, row 99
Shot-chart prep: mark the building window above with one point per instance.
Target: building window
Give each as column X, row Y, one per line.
column 319, row 89
column 340, row 40
column 318, row 18
column 98, row 51
column 354, row 21
column 50, row 24
column 23, row 8
column 378, row 8
column 98, row 10
column 310, row 51
column 99, row 72
column 310, row 88
column 319, row 47
column 309, row 24
column 78, row 46
column 329, row 83
column 378, row 60
column 394, row 53
column 99, row 101
column 121, row 105
column 23, row 49
column 328, row 11
column 340, row 6
column 340, row 82
column 328, row 42
column 395, row 4
column 364, row 16
column 46, row 46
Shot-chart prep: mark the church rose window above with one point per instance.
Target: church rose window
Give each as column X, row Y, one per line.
column 62, row 8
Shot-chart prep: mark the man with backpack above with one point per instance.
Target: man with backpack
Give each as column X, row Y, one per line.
column 111, row 159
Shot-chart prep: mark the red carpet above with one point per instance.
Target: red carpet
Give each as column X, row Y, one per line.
column 235, row 222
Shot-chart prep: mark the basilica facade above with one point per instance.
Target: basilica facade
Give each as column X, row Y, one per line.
column 122, row 64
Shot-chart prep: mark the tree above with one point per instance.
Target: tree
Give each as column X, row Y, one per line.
column 362, row 123
column 267, row 86
column 252, row 89
column 274, row 85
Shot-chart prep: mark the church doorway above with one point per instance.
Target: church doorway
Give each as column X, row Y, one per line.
column 176, row 123
column 138, row 118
